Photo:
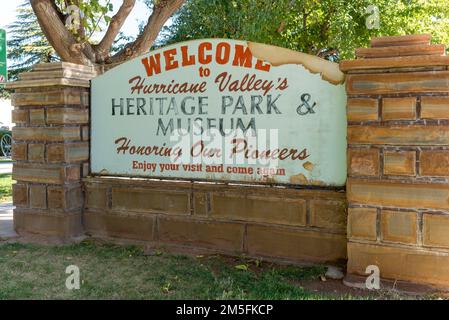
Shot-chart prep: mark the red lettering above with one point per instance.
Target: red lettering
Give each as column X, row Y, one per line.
column 205, row 53
column 223, row 52
column 260, row 65
column 152, row 64
column 242, row 56
column 170, row 62
column 202, row 57
column 186, row 59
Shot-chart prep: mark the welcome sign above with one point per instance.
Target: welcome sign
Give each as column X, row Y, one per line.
column 221, row 110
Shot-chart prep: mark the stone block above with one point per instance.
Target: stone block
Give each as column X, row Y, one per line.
column 362, row 223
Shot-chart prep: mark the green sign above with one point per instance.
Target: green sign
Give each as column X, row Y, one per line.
column 3, row 70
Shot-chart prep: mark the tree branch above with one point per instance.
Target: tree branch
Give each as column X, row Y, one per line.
column 52, row 23
column 162, row 11
column 57, row 34
column 117, row 21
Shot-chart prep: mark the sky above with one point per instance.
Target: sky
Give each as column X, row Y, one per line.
column 7, row 13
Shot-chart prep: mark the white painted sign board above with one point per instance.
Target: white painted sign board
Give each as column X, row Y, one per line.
column 221, row 110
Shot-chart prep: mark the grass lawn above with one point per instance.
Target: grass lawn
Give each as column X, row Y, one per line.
column 125, row 272
column 5, row 187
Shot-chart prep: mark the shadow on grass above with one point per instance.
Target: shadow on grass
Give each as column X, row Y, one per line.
column 110, row 271
column 116, row 272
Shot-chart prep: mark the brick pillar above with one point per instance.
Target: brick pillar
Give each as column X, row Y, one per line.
column 398, row 159
column 50, row 148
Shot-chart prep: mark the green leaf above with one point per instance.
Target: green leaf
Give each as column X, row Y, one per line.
column 243, row 267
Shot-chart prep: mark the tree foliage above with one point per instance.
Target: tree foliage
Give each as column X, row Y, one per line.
column 27, row 44
column 308, row 25
column 91, row 16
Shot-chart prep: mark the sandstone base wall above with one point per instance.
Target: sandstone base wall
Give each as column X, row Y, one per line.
column 278, row 223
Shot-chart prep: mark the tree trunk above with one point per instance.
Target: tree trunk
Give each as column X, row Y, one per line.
column 51, row 21
column 58, row 36
column 162, row 11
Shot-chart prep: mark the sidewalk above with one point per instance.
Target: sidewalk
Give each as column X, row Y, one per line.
column 5, row 167
column 6, row 222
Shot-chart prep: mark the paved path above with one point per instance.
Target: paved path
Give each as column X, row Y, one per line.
column 6, row 223
column 5, row 167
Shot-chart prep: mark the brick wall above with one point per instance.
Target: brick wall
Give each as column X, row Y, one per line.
column 279, row 223
column 50, row 148
column 398, row 159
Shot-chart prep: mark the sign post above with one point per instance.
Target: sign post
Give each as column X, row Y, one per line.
column 3, row 69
